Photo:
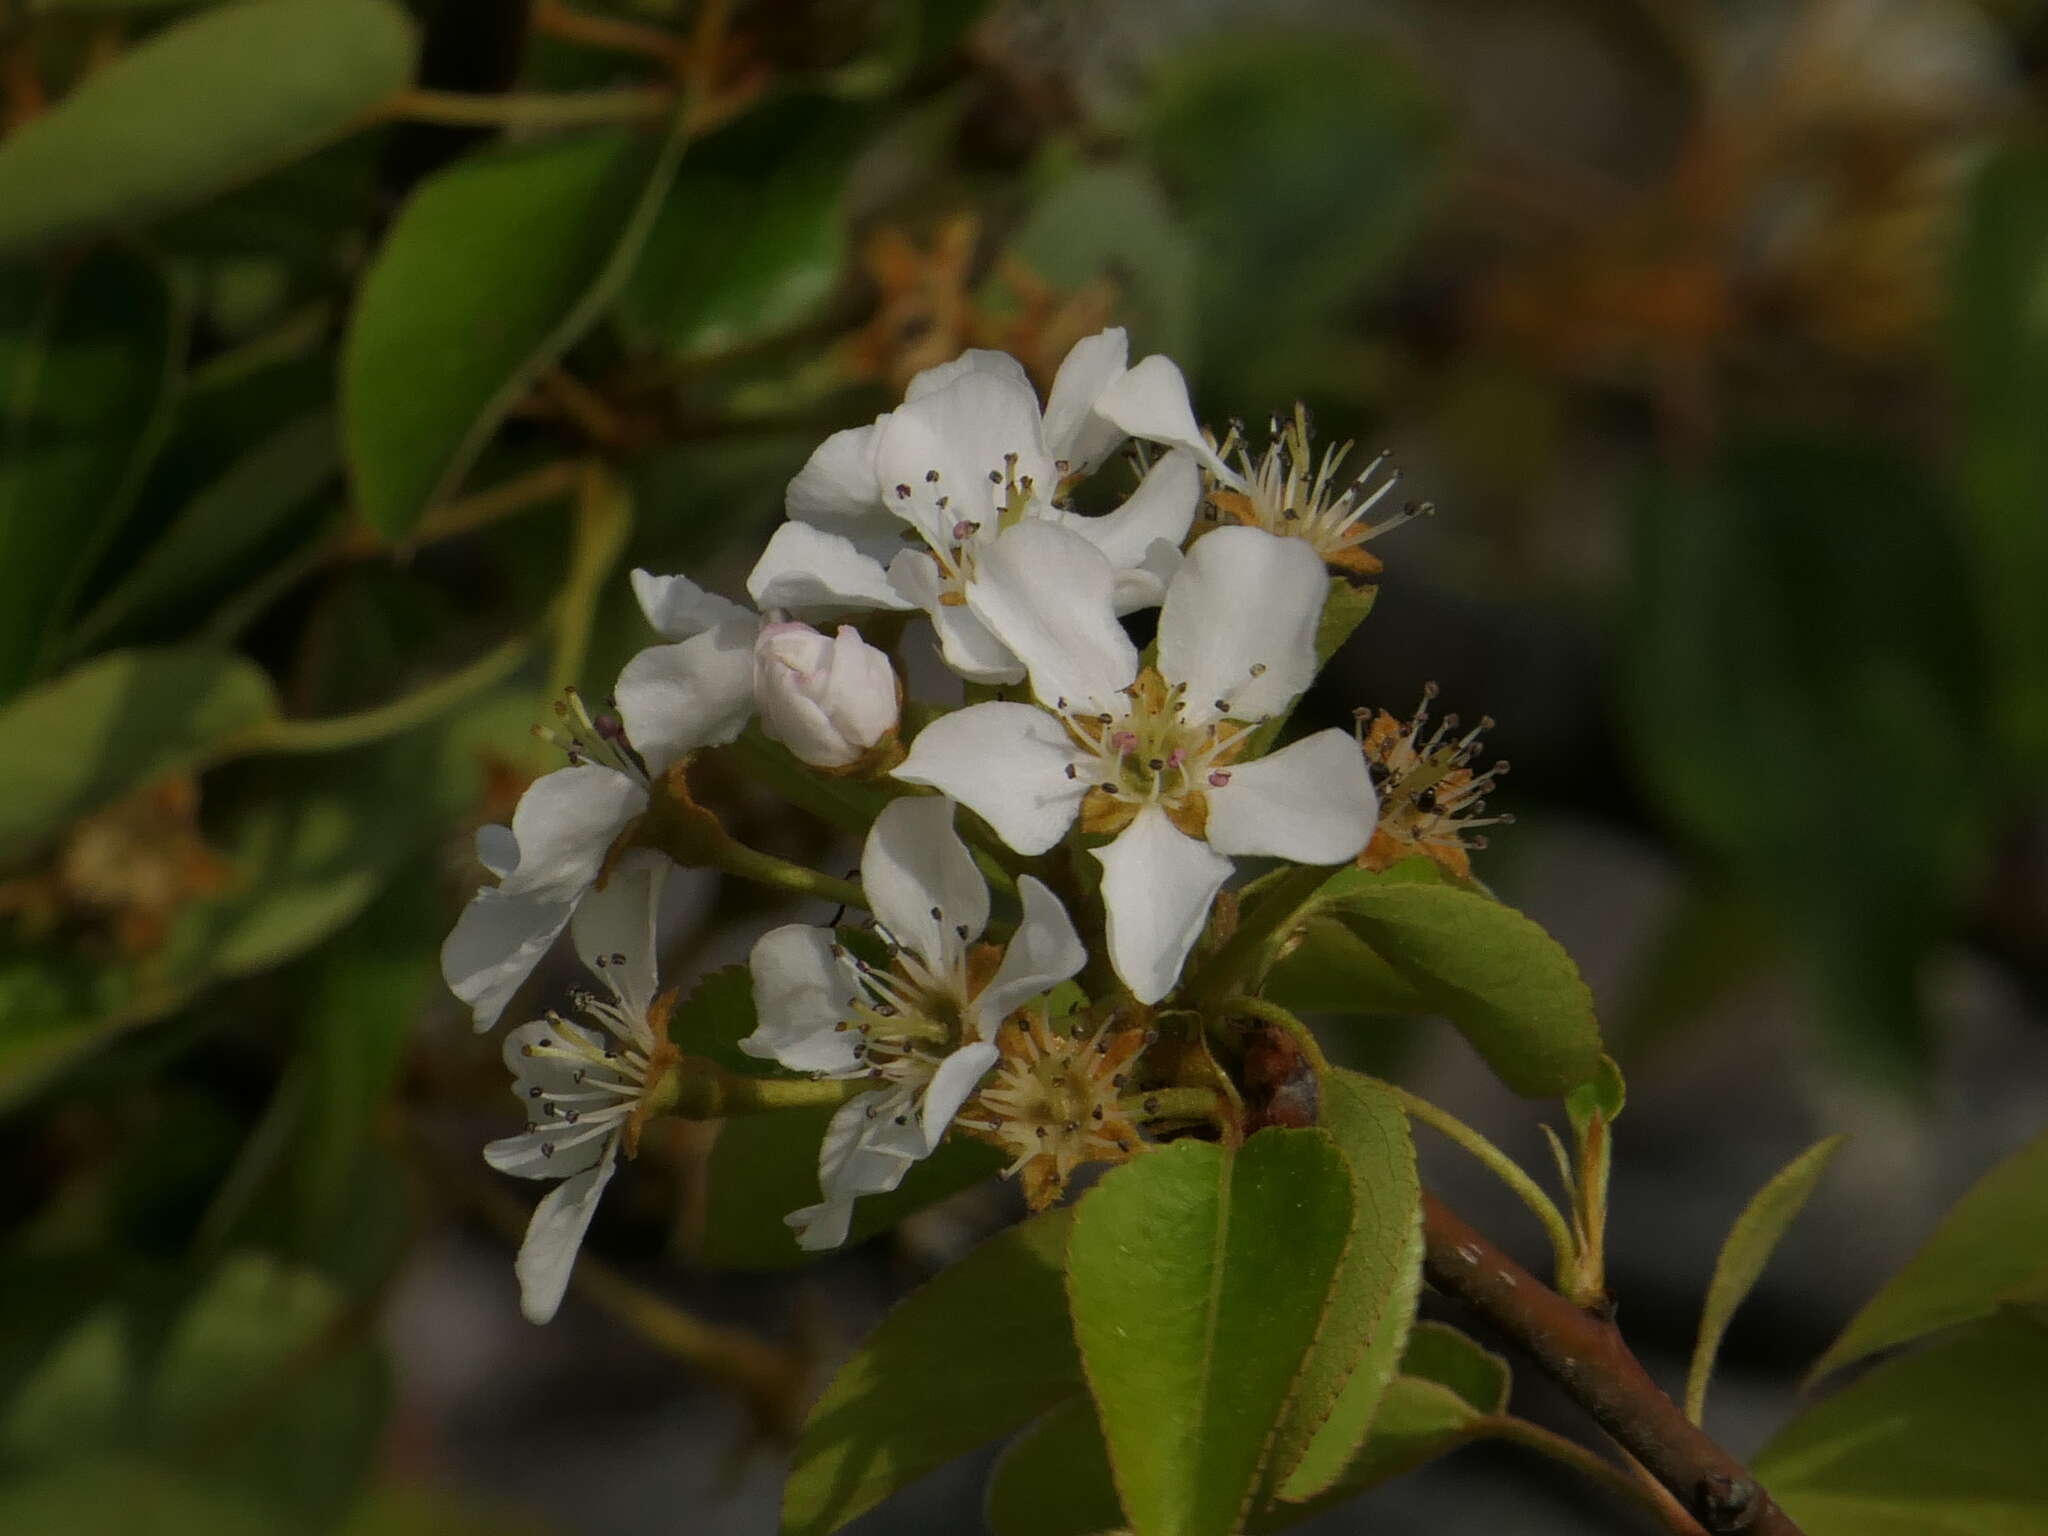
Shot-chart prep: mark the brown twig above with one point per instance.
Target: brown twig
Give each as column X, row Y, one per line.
column 1584, row 1354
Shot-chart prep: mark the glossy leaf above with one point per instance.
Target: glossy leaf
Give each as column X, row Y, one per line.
column 493, row 269
column 1945, row 1441
column 1499, row 978
column 1191, row 1335
column 765, row 1166
column 73, row 744
column 184, row 114
column 975, row 1353
column 1990, row 1249
column 1372, row 1302
column 1054, row 1480
column 86, row 364
column 777, row 239
column 1745, row 1252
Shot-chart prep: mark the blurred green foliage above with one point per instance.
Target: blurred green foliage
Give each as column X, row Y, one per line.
column 337, row 392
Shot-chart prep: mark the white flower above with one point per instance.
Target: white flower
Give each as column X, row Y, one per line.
column 1155, row 757
column 967, row 454
column 585, row 1087
column 922, row 1027
column 829, row 700
column 670, row 701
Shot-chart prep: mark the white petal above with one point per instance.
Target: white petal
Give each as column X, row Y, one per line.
column 565, row 824
column 677, row 698
column 677, row 608
column 1240, row 622
column 999, row 365
column 850, row 1165
column 530, row 1055
column 1151, row 401
column 920, row 880
column 815, row 574
column 1145, row 586
column 1157, row 884
column 614, row 927
column 802, row 992
column 1161, row 509
column 952, row 1085
column 495, row 945
column 837, row 489
column 1049, row 596
column 497, row 849
column 962, row 433
column 554, row 1236
column 1073, row 432
column 1311, row 802
column 964, row 641
column 1008, row 764
column 1044, row 952
column 551, row 1152
column 821, row 1227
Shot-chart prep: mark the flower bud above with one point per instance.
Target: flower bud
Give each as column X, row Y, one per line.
column 828, row 700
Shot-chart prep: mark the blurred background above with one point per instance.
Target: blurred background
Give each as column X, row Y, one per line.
column 351, row 355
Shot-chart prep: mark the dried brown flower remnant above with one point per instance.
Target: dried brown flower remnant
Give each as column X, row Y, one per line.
column 1053, row 1103
column 1431, row 800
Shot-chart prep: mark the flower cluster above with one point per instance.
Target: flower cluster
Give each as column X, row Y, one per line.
column 1016, row 963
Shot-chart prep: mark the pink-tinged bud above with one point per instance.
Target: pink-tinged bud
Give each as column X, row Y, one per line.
column 829, row 700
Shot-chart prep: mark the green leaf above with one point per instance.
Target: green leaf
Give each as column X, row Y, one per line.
column 975, row 1353
column 1991, row 1249
column 1500, row 979
column 103, row 1495
column 223, row 528
column 1329, row 969
column 1372, row 1302
column 196, row 108
column 771, row 185
column 494, row 268
column 1602, row 1095
column 1998, row 334
column 1192, row 1336
column 1745, row 1252
column 1054, row 1480
column 1943, row 1442
column 765, row 1166
column 86, row 363
column 101, row 729
column 1112, row 222
column 1448, row 1392
column 715, row 1017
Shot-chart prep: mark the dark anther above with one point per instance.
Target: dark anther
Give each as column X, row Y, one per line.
column 995, row 477
column 936, row 916
column 547, row 1149
column 533, row 1093
column 1152, row 1104
column 902, row 491
column 931, row 477
column 1426, row 801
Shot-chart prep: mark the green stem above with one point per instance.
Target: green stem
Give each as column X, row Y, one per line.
column 1171, row 1104
column 338, row 732
column 1599, row 1469
column 1247, row 954
column 1503, row 1167
column 736, row 858
column 716, row 1094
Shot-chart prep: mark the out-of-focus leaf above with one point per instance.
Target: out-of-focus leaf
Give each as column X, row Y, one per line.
column 715, row 1017
column 752, row 235
column 494, row 268
column 1745, row 1252
column 256, row 1392
column 1944, row 1442
column 1054, row 1480
column 1192, row 1337
column 765, row 1166
column 1506, row 985
column 1372, row 1301
column 102, row 1495
column 1312, row 155
column 73, row 744
column 1111, row 223
column 85, row 367
column 196, row 108
column 1999, row 337
column 1769, row 672
column 1991, row 1249
column 977, row 1352
column 1718, row 939
column 1448, row 1391
column 44, row 1296
column 221, row 528
column 400, row 1510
